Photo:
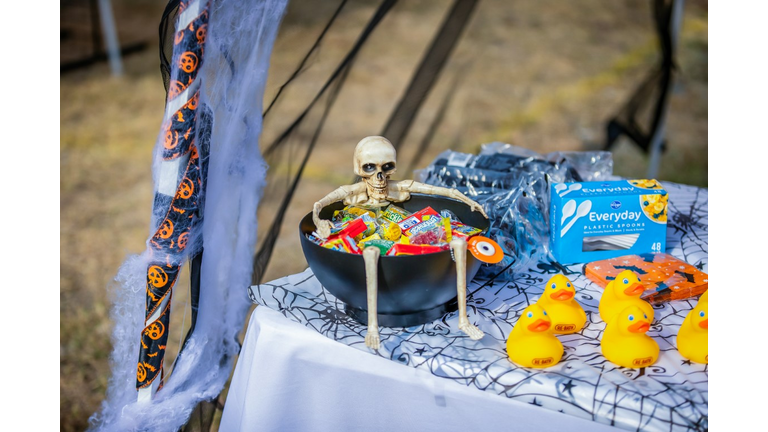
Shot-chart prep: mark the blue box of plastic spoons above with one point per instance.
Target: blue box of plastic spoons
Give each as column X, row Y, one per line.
column 598, row 220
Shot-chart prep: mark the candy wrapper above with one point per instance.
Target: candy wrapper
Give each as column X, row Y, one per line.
column 663, row 276
column 460, row 230
column 403, row 249
column 383, row 245
column 395, row 214
column 435, row 236
column 428, row 215
column 352, row 229
column 388, row 230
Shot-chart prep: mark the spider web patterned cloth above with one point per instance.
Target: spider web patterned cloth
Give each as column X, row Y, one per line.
column 207, row 167
column 671, row 395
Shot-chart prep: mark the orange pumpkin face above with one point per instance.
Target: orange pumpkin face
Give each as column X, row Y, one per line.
column 186, row 188
column 175, row 88
column 183, row 238
column 178, row 38
column 166, row 230
column 201, row 33
column 188, row 62
column 171, row 139
column 155, row 330
column 192, row 104
column 141, row 373
column 157, row 276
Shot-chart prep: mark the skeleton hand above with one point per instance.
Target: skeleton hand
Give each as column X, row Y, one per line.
column 472, row 204
column 477, row 207
column 470, row 330
column 323, row 228
column 372, row 338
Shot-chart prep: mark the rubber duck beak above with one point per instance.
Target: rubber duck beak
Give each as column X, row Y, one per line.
column 639, row 327
column 704, row 324
column 561, row 295
column 539, row 326
column 634, row 290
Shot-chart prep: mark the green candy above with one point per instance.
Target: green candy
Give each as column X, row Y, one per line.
column 383, row 245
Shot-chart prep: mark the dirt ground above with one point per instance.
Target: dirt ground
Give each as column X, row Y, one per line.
column 544, row 75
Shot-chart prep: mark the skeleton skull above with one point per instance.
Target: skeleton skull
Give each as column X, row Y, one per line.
column 374, row 162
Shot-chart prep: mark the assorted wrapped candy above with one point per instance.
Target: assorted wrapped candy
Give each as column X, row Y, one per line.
column 393, row 230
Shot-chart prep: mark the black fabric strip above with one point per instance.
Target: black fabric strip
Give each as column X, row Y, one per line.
column 423, row 80
column 167, row 30
column 427, row 139
column 384, row 8
column 656, row 82
column 300, row 68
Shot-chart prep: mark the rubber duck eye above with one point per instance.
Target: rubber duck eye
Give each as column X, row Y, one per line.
column 568, row 284
column 530, row 315
column 554, row 286
column 701, row 314
column 645, row 316
column 545, row 313
column 631, row 317
column 626, row 281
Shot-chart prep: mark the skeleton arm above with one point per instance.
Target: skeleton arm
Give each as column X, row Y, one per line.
column 416, row 187
column 343, row 192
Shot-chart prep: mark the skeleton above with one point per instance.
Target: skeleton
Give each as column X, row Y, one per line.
column 375, row 161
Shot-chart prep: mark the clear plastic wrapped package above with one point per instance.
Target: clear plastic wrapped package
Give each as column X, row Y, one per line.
column 512, row 185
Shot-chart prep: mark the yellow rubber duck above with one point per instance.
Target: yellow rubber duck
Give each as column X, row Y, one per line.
column 623, row 291
column 532, row 342
column 625, row 341
column 557, row 299
column 693, row 336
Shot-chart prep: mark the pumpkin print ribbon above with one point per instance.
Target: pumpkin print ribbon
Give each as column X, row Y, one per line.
column 178, row 194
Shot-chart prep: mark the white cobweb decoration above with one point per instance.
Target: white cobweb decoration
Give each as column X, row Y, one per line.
column 240, row 38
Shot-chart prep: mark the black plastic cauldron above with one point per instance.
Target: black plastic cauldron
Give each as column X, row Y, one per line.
column 412, row 289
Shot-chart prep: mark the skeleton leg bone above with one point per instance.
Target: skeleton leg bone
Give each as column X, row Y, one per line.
column 459, row 247
column 371, row 258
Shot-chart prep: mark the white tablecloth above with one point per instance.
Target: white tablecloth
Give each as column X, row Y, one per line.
column 291, row 378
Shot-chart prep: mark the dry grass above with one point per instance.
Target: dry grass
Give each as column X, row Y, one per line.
column 542, row 75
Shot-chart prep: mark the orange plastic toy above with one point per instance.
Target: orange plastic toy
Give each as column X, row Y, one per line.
column 663, row 276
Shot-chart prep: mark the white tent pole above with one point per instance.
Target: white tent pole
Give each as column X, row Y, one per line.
column 110, row 37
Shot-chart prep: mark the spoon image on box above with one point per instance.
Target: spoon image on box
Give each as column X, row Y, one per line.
column 582, row 211
column 560, row 187
column 568, row 209
column 571, row 188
